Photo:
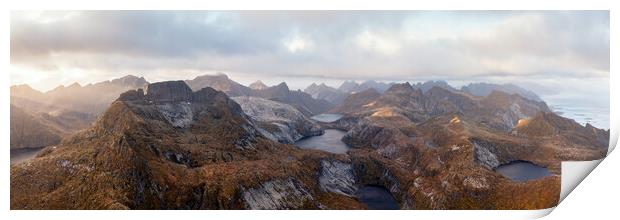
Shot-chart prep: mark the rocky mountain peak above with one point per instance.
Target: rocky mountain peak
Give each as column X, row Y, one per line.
column 258, row 85
column 169, row 91
column 74, row 85
column 348, row 86
column 400, row 88
column 130, row 81
column 282, row 87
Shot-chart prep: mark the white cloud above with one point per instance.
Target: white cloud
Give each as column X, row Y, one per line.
column 296, row 43
column 378, row 42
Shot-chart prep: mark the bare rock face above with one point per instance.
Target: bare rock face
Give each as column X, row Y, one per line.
column 278, row 194
column 278, row 121
column 337, row 177
column 178, row 114
column 485, row 156
column 172, row 91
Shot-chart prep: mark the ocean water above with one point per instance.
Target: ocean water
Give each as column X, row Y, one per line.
column 597, row 116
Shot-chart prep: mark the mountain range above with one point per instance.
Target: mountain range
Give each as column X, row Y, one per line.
column 212, row 143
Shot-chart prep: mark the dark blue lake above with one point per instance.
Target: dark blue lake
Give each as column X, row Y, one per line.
column 377, row 198
column 522, row 171
column 24, row 154
column 329, row 141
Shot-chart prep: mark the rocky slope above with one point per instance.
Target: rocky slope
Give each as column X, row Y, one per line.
column 278, row 121
column 355, row 101
column 171, row 148
column 28, row 131
column 439, row 149
column 63, row 110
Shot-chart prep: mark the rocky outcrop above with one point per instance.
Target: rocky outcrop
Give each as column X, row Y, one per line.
column 172, row 91
column 278, row 121
column 484, row 156
column 337, row 177
column 278, row 194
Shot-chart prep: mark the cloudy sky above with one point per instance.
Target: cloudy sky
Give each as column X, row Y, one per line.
column 556, row 53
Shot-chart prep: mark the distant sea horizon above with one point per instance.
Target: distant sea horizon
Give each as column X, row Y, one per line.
column 581, row 112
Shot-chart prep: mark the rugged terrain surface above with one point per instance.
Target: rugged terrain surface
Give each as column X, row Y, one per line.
column 168, row 147
column 281, row 93
column 171, row 148
column 438, row 149
column 278, row 121
column 42, row 119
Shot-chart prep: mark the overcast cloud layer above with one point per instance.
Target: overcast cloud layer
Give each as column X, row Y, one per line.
column 547, row 51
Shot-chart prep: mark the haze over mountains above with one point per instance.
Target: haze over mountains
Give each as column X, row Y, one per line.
column 65, row 110
column 212, row 143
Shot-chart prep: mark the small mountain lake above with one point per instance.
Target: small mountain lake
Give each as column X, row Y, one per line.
column 326, row 117
column 329, row 141
column 521, row 171
column 377, row 198
column 23, row 154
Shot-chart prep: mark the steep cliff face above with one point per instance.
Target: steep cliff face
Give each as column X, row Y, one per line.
column 278, row 121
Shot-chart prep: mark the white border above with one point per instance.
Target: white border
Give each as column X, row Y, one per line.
column 607, row 173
